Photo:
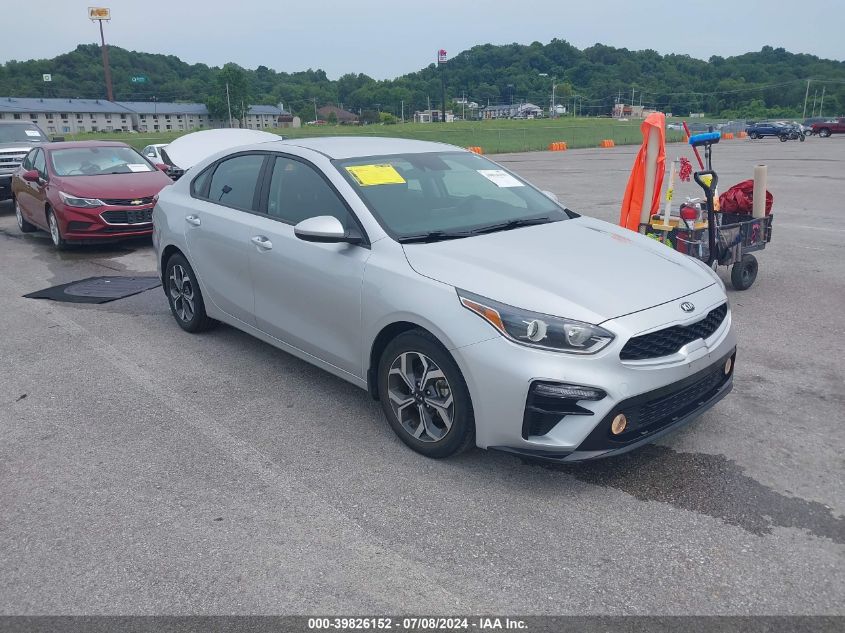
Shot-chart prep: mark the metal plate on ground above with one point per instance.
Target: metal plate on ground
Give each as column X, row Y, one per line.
column 97, row 289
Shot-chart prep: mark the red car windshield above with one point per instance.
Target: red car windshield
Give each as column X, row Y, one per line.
column 98, row 161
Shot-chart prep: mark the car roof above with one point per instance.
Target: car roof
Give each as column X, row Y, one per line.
column 341, row 147
column 77, row 144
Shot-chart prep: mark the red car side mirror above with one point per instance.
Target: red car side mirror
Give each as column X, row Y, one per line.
column 162, row 167
column 31, row 175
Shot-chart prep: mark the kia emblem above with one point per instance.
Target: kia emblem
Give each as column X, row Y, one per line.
column 686, row 306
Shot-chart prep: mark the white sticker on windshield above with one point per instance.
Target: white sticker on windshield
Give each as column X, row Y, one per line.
column 34, row 133
column 500, row 178
column 137, row 167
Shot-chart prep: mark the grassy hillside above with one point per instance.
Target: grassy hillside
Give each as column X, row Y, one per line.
column 492, row 136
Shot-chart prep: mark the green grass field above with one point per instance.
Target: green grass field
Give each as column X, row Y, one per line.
column 492, row 136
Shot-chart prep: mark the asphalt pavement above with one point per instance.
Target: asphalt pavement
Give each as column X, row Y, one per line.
column 144, row 470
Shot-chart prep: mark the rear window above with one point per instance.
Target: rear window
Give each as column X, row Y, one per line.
column 18, row 133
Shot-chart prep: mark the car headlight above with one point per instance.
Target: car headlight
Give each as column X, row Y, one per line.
column 84, row 203
column 538, row 330
column 712, row 272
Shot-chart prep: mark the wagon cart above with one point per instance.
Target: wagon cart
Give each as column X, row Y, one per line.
column 716, row 238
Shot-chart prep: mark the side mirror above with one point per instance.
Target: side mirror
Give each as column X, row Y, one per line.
column 326, row 229
column 58, row 139
column 31, row 175
column 551, row 195
column 162, row 167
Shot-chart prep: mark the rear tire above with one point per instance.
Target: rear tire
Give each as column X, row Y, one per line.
column 753, row 136
column 744, row 272
column 783, row 138
column 424, row 396
column 824, row 132
column 184, row 296
column 23, row 225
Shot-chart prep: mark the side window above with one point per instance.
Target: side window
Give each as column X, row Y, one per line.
column 27, row 161
column 39, row 163
column 198, row 184
column 298, row 192
column 233, row 182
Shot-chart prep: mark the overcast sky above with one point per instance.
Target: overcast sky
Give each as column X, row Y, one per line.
column 386, row 39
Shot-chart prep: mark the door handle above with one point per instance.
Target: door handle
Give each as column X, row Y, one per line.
column 262, row 242
column 193, row 220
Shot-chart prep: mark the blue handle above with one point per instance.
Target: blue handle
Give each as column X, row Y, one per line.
column 705, row 138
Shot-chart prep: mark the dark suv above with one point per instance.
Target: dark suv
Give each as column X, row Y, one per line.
column 16, row 139
column 784, row 131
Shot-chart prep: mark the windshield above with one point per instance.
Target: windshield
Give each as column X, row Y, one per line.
column 21, row 134
column 443, row 195
column 98, row 161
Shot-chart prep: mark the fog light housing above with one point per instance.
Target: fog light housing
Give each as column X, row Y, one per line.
column 619, row 424
column 729, row 364
column 570, row 392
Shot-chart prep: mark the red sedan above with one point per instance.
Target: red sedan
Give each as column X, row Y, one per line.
column 86, row 191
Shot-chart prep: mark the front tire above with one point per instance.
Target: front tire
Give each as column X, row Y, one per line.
column 184, row 296
column 783, row 138
column 55, row 231
column 424, row 396
column 744, row 272
column 824, row 132
column 23, row 225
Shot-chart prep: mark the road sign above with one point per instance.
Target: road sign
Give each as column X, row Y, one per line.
column 99, row 13
column 138, row 79
column 47, row 77
column 441, row 56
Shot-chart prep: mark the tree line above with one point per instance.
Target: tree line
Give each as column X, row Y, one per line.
column 769, row 82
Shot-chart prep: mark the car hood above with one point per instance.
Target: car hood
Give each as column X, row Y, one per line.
column 137, row 185
column 582, row 269
column 17, row 146
column 190, row 149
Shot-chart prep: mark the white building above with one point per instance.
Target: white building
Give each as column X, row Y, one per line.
column 73, row 116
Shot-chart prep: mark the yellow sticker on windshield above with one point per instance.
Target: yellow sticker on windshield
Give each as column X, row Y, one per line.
column 369, row 175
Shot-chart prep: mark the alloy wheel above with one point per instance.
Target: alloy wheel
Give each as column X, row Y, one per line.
column 420, row 396
column 19, row 215
column 181, row 290
column 54, row 229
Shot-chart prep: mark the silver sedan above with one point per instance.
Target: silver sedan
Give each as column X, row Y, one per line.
column 477, row 309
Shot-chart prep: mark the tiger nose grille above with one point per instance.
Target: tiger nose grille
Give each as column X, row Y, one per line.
column 670, row 340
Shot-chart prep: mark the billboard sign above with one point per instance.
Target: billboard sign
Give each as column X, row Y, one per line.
column 99, row 13
column 441, row 56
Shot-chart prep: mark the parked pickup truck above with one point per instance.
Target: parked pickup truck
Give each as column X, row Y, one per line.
column 16, row 139
column 832, row 126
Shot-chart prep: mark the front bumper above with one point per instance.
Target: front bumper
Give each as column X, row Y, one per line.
column 5, row 186
column 91, row 224
column 499, row 375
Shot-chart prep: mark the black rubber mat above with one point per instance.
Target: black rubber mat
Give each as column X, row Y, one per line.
column 97, row 289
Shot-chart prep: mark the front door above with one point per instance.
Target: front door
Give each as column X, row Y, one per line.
column 218, row 227
column 307, row 294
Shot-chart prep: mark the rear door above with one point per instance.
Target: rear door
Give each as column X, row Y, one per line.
column 218, row 228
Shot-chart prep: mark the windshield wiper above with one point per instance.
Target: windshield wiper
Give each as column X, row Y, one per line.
column 432, row 236
column 510, row 224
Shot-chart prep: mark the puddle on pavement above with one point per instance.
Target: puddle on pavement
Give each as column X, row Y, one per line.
column 707, row 484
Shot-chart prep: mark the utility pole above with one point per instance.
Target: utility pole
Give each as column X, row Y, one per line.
column 243, row 115
column 441, row 63
column 403, row 110
column 806, row 94
column 101, row 14
column 815, row 94
column 315, row 109
column 228, row 104
column 821, row 104
column 632, row 97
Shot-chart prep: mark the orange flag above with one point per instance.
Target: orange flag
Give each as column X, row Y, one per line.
column 632, row 203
